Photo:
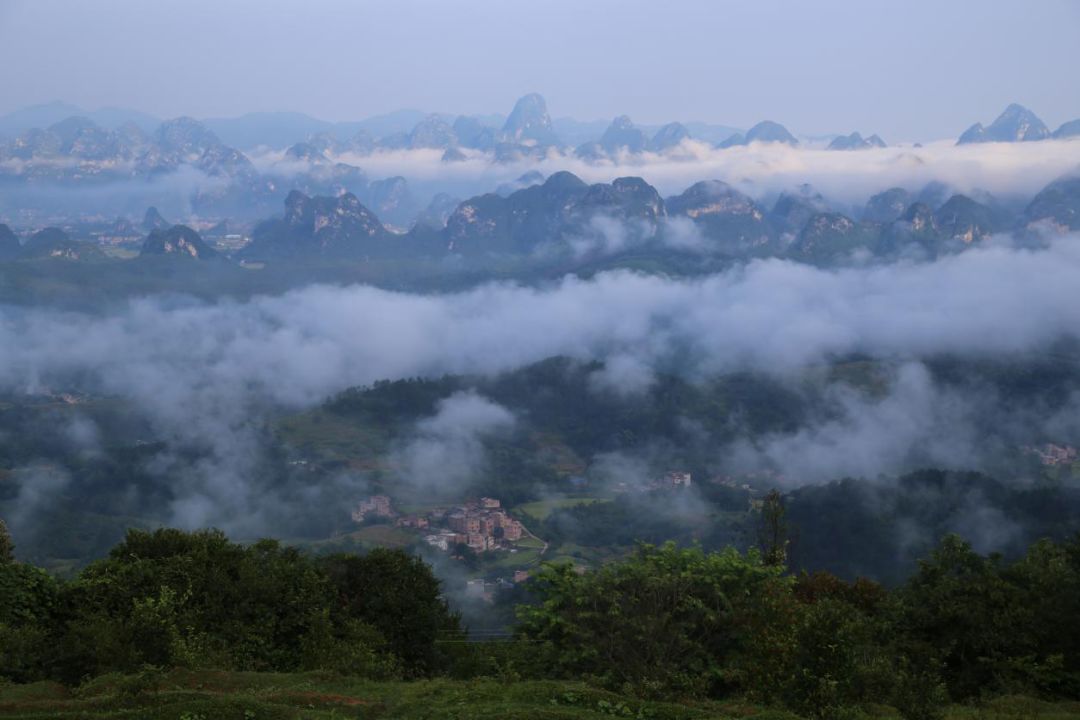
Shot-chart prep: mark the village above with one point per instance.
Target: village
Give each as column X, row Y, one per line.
column 480, row 525
column 1052, row 455
column 483, row 525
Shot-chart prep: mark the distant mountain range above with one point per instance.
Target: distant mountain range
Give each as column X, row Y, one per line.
column 77, row 152
column 531, row 231
column 1017, row 124
column 199, row 163
column 527, row 123
column 40, row 116
column 562, row 215
column 197, row 167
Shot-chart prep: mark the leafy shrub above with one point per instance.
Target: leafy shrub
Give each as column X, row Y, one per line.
column 667, row 621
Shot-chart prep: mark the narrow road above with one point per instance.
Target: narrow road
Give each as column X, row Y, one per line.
column 540, row 555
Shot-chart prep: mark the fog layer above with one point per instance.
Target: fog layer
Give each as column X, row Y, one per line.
column 206, row 373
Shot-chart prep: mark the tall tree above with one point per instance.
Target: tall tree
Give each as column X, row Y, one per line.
column 773, row 529
column 7, row 547
column 398, row 595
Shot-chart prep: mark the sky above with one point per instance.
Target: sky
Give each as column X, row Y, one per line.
column 907, row 70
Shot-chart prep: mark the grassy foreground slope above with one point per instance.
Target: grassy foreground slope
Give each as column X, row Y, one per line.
column 209, row 695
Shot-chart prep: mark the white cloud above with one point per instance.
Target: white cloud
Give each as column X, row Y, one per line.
column 205, row 374
column 764, row 169
column 446, row 450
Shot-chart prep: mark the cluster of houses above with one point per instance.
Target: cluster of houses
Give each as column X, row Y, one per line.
column 45, row 395
column 1051, row 454
column 480, row 525
column 375, row 506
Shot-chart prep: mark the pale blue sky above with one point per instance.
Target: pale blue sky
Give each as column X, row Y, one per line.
column 908, row 70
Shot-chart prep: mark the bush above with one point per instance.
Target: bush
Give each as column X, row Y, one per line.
column 397, row 595
column 919, row 692
column 838, row 663
column 665, row 622
column 174, row 599
column 989, row 628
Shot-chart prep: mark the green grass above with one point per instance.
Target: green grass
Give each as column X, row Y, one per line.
column 587, row 556
column 384, row 535
column 366, row 536
column 184, row 695
column 541, row 509
column 529, row 542
column 210, row 695
column 520, row 560
column 1016, row 707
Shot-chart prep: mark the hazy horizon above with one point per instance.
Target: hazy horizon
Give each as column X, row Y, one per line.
column 923, row 71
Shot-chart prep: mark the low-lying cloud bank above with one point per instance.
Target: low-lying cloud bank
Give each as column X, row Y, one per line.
column 916, row 422
column 1011, row 171
column 205, row 373
column 759, row 169
column 767, row 315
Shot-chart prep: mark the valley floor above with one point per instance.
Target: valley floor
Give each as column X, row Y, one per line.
column 206, row 695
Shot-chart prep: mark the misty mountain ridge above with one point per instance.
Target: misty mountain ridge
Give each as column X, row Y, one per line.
column 543, row 220
column 1016, row 124
column 527, row 123
column 855, row 141
column 38, row 116
column 528, row 127
column 214, row 177
column 336, row 227
column 536, row 222
column 179, row 241
column 765, row 131
column 54, row 243
column 153, row 220
column 564, row 223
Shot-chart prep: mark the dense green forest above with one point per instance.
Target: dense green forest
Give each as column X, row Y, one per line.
column 666, row 624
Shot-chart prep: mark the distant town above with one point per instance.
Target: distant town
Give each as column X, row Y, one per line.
column 483, row 525
column 479, row 525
